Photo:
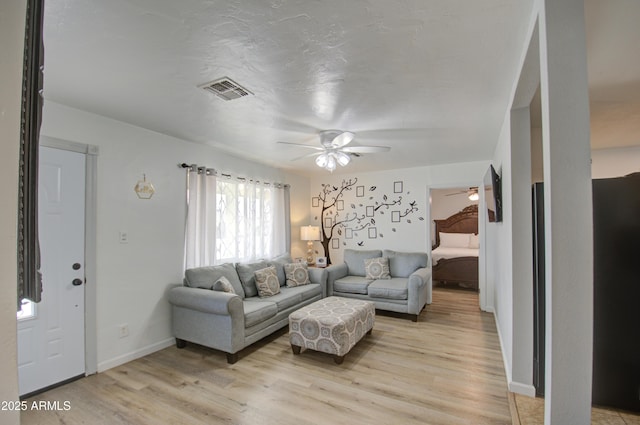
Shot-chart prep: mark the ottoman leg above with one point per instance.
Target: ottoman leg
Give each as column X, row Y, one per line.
column 295, row 349
column 370, row 331
column 338, row 359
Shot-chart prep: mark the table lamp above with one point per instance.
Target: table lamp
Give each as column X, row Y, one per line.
column 310, row 234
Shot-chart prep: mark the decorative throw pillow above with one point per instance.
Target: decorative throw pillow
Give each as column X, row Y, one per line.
column 267, row 282
column 377, row 268
column 223, row 285
column 297, row 274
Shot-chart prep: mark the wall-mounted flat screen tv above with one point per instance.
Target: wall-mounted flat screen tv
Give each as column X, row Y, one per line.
column 493, row 195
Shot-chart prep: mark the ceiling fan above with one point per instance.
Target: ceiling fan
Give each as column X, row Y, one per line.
column 335, row 150
column 472, row 193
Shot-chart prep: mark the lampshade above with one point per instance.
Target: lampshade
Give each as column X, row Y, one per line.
column 310, row 233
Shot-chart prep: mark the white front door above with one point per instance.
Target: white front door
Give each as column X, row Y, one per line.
column 51, row 333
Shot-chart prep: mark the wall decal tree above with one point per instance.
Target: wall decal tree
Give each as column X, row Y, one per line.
column 335, row 221
column 330, row 218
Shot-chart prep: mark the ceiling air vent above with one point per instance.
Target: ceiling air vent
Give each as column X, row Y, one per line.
column 226, row 88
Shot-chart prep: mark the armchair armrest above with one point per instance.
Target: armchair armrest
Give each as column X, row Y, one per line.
column 319, row 275
column 334, row 272
column 206, row 301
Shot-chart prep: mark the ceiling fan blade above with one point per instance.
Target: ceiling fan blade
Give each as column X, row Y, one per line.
column 342, row 139
column 302, row 146
column 309, row 155
column 455, row 193
column 366, row 149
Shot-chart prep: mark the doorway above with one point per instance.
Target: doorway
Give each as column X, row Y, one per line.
column 454, row 217
column 56, row 337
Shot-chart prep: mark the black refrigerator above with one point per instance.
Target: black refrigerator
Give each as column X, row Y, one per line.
column 538, row 287
column 616, row 286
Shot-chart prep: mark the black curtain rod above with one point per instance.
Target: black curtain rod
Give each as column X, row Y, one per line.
column 194, row 167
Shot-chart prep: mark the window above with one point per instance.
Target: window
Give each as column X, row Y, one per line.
column 244, row 221
column 233, row 219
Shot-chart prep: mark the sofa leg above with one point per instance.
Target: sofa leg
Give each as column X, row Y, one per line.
column 415, row 317
column 180, row 343
column 232, row 358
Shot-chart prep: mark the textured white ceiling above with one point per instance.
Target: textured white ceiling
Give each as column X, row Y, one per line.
column 431, row 79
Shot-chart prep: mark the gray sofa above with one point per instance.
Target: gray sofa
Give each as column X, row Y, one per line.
column 230, row 322
column 407, row 290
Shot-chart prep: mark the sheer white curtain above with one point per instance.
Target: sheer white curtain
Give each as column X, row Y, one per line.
column 201, row 218
column 234, row 220
column 250, row 221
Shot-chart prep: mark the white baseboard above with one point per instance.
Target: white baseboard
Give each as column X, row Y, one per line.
column 505, row 363
column 524, row 389
column 144, row 351
column 514, row 387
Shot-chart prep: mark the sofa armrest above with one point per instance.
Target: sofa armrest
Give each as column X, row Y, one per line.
column 319, row 275
column 206, row 301
column 335, row 272
column 419, row 288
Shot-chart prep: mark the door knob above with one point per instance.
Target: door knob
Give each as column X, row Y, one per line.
column 77, row 282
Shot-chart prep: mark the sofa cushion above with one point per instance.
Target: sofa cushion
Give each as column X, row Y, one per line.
column 257, row 310
column 223, row 285
column 267, row 282
column 279, row 263
column 393, row 289
column 377, row 268
column 205, row 277
column 403, row 264
column 305, row 291
column 286, row 298
column 297, row 274
column 352, row 285
column 354, row 259
column 246, row 273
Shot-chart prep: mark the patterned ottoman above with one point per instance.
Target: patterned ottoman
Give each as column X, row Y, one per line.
column 332, row 325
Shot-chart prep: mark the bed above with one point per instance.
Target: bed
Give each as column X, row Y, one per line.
column 455, row 253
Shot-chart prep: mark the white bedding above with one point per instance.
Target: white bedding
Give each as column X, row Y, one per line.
column 449, row 252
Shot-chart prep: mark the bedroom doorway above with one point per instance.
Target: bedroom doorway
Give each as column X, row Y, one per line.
column 454, row 237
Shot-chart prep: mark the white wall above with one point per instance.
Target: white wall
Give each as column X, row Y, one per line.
column 12, row 18
column 132, row 278
column 411, row 233
column 617, row 162
column 499, row 253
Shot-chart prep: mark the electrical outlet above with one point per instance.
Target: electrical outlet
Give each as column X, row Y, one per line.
column 123, row 237
column 123, row 331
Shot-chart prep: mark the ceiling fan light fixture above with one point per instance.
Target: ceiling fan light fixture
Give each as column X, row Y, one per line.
column 322, row 160
column 331, row 163
column 473, row 194
column 342, row 158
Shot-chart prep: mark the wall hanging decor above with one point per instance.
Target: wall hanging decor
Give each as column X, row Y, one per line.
column 355, row 213
column 144, row 189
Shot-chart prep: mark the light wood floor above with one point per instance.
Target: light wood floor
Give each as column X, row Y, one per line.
column 445, row 369
column 531, row 412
